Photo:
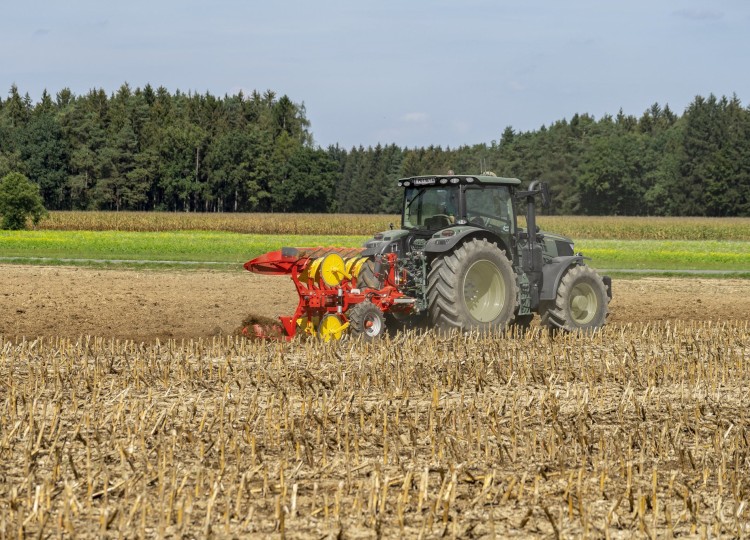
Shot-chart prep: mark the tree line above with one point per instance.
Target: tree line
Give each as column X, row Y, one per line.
column 150, row 149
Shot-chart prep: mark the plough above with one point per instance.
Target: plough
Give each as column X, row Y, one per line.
column 326, row 280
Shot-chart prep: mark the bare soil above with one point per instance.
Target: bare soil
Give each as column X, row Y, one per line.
column 145, row 305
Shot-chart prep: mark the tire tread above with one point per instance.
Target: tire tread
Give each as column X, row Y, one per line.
column 443, row 297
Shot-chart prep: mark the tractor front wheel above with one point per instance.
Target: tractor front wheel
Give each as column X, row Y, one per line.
column 366, row 320
column 472, row 288
column 580, row 304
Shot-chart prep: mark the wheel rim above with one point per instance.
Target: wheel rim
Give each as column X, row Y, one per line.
column 583, row 303
column 484, row 291
column 372, row 325
column 331, row 327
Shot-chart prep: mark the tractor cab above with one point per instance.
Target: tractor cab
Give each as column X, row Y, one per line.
column 436, row 208
column 434, row 203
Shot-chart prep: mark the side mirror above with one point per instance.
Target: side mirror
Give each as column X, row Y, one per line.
column 542, row 188
column 546, row 199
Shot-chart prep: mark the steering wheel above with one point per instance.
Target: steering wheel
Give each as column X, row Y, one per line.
column 439, row 220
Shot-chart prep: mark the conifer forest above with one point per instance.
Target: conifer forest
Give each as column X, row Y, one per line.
column 154, row 149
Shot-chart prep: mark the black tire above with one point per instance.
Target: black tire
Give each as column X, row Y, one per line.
column 366, row 278
column 581, row 304
column 366, row 321
column 472, row 288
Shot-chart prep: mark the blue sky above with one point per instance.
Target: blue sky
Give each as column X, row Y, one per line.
column 410, row 72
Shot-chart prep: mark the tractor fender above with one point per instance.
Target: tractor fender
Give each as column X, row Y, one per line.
column 380, row 243
column 440, row 244
column 375, row 248
column 553, row 272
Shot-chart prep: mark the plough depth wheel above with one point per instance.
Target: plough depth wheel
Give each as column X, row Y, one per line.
column 367, row 321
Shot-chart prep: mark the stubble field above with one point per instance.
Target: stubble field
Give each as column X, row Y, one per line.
column 190, row 431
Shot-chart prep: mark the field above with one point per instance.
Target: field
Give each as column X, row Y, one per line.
column 145, row 305
column 198, row 249
column 621, row 246
column 130, row 407
column 618, row 228
column 218, row 249
column 169, row 425
column 641, row 430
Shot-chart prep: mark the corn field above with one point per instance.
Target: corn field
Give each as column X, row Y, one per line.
column 257, row 223
column 639, row 430
column 601, row 227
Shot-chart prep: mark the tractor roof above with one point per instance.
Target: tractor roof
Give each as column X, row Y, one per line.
column 436, row 180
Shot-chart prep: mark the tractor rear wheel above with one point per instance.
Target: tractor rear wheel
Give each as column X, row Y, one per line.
column 366, row 279
column 580, row 304
column 367, row 321
column 472, row 288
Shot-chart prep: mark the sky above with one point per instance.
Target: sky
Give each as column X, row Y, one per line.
column 411, row 72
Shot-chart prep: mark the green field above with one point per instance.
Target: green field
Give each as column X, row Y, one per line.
column 668, row 254
column 198, row 248
column 227, row 250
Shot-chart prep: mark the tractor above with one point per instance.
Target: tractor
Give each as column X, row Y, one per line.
column 459, row 261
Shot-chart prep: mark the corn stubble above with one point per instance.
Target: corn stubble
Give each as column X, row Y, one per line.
column 639, row 429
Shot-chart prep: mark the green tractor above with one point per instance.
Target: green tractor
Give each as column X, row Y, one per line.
column 468, row 264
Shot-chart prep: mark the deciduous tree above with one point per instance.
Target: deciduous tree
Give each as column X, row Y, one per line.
column 20, row 201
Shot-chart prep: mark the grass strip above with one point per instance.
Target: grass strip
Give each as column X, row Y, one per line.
column 235, row 248
column 667, row 254
column 156, row 246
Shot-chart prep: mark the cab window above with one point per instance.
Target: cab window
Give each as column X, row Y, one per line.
column 491, row 207
column 430, row 208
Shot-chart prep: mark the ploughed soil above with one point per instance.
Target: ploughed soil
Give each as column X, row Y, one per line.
column 145, row 305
